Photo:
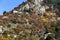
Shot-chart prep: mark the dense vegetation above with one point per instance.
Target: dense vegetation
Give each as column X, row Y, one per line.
column 29, row 21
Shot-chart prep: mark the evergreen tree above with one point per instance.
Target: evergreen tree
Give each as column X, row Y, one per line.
column 4, row 12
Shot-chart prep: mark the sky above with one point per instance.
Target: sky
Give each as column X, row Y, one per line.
column 7, row 5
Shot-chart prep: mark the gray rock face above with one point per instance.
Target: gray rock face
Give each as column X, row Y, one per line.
column 35, row 1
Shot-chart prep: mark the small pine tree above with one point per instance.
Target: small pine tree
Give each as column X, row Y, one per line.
column 4, row 12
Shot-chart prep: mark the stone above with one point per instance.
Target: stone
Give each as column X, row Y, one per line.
column 5, row 17
column 15, row 11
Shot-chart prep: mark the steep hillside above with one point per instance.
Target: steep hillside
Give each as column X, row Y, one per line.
column 32, row 20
